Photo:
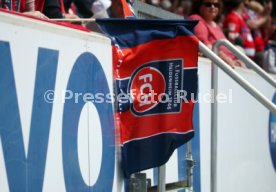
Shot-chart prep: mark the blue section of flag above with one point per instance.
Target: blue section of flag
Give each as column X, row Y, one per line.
column 122, row 99
column 149, row 150
column 190, row 83
column 133, row 32
column 272, row 135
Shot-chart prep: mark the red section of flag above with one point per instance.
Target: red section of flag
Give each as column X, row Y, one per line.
column 127, row 60
column 132, row 127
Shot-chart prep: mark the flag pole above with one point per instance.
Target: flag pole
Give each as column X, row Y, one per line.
column 75, row 20
column 162, row 178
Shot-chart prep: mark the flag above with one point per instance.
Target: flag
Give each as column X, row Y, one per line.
column 155, row 73
column 122, row 9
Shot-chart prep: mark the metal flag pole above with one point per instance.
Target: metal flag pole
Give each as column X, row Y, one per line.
column 162, row 178
column 75, row 20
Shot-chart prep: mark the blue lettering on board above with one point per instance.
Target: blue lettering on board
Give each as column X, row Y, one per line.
column 87, row 76
column 26, row 173
column 272, row 134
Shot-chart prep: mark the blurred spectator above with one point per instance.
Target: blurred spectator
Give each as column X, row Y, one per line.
column 79, row 7
column 208, row 31
column 236, row 28
column 182, row 7
column 267, row 28
column 121, row 9
column 256, row 16
column 259, row 13
column 99, row 8
column 89, row 8
column 166, row 5
column 254, row 5
column 269, row 61
column 153, row 2
column 53, row 9
column 27, row 7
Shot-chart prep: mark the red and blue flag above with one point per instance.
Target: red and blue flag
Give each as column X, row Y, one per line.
column 155, row 73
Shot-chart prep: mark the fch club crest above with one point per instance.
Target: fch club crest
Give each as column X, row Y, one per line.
column 154, row 88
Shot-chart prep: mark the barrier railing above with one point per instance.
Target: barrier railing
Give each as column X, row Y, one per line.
column 240, row 55
column 217, row 62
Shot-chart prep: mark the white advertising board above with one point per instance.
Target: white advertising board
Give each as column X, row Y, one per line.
column 52, row 140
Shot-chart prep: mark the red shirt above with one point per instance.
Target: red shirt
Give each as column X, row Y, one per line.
column 256, row 33
column 235, row 24
column 209, row 34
